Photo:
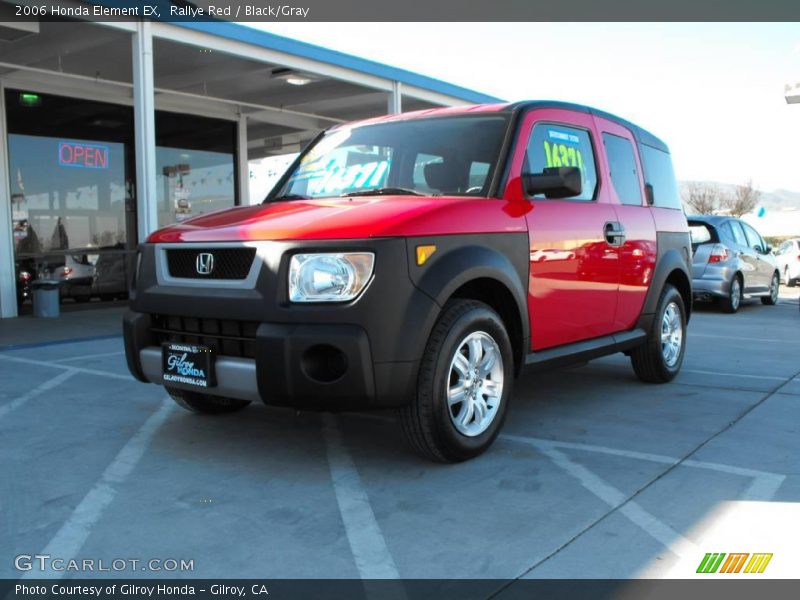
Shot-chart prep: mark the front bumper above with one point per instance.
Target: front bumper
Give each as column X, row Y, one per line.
column 362, row 354
column 326, row 367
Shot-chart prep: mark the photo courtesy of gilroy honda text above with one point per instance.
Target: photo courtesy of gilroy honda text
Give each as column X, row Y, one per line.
column 422, row 261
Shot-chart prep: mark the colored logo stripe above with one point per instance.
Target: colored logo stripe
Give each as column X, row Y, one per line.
column 710, row 562
column 733, row 564
column 758, row 563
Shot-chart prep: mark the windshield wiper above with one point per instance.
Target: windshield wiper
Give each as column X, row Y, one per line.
column 383, row 191
column 291, row 197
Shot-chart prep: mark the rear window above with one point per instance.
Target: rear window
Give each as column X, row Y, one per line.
column 700, row 233
column 660, row 174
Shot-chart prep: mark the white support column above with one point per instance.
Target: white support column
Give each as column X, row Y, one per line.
column 144, row 119
column 395, row 99
column 8, row 278
column 244, row 166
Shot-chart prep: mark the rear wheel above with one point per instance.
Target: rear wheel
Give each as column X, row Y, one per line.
column 464, row 385
column 205, row 404
column 659, row 359
column 774, row 289
column 732, row 302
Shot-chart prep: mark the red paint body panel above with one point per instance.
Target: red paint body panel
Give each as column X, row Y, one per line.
column 349, row 218
column 639, row 252
column 574, row 273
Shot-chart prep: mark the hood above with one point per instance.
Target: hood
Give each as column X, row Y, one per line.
column 340, row 218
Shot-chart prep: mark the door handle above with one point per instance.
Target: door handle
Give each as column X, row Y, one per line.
column 614, row 233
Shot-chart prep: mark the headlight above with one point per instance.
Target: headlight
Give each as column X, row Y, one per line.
column 329, row 277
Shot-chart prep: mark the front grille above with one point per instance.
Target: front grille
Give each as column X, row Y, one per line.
column 227, row 336
column 229, row 263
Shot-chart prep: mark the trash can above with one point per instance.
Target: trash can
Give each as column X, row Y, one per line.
column 46, row 298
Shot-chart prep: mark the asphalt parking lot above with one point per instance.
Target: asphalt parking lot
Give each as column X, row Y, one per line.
column 595, row 475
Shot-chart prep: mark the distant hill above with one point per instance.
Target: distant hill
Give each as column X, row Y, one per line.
column 782, row 210
column 776, row 200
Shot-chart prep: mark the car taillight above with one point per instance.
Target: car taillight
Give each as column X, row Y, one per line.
column 718, row 254
column 24, row 276
column 67, row 271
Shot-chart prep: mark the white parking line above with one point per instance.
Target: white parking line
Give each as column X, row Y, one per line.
column 659, row 458
column 73, row 533
column 743, row 339
column 47, row 385
column 367, row 544
column 764, row 486
column 702, row 372
column 88, row 356
column 671, row 539
column 54, row 365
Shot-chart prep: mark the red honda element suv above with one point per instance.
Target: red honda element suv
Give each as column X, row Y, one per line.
column 422, row 261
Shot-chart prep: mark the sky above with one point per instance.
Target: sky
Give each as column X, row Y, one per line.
column 713, row 92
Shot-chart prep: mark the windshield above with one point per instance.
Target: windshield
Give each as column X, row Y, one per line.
column 436, row 156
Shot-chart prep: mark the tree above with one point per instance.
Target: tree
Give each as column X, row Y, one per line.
column 744, row 199
column 702, row 198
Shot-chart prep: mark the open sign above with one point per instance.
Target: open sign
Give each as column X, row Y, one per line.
column 87, row 156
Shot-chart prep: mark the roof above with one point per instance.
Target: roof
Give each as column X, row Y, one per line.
column 642, row 135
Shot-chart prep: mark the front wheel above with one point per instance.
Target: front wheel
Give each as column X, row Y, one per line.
column 774, row 289
column 464, row 384
column 659, row 359
column 204, row 403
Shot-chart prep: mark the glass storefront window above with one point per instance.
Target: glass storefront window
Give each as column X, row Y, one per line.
column 195, row 166
column 73, row 187
column 66, row 193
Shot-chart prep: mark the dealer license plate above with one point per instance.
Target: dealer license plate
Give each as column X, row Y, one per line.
column 188, row 364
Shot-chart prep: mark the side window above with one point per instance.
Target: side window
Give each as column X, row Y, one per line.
column 478, row 172
column 753, row 239
column 554, row 145
column 660, row 174
column 420, row 162
column 735, row 233
column 622, row 164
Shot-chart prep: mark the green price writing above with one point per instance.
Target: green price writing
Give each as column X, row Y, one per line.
column 561, row 155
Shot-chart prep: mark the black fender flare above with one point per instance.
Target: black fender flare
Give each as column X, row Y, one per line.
column 460, row 265
column 670, row 261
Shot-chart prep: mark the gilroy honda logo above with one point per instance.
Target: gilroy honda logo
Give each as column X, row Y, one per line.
column 719, row 562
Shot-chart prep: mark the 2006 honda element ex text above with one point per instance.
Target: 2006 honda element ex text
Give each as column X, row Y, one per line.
column 422, row 261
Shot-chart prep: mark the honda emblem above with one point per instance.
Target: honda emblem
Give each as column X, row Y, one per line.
column 204, row 263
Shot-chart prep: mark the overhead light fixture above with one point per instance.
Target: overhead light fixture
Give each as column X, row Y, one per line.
column 291, row 76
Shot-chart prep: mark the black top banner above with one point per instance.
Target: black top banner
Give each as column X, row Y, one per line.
column 401, row 10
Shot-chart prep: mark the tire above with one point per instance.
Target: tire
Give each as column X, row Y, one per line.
column 438, row 425
column 659, row 359
column 204, row 403
column 774, row 290
column 731, row 303
column 789, row 282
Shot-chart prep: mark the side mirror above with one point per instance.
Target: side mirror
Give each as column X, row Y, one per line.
column 554, row 182
column 768, row 249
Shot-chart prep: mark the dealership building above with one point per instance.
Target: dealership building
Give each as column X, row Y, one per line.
column 109, row 131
